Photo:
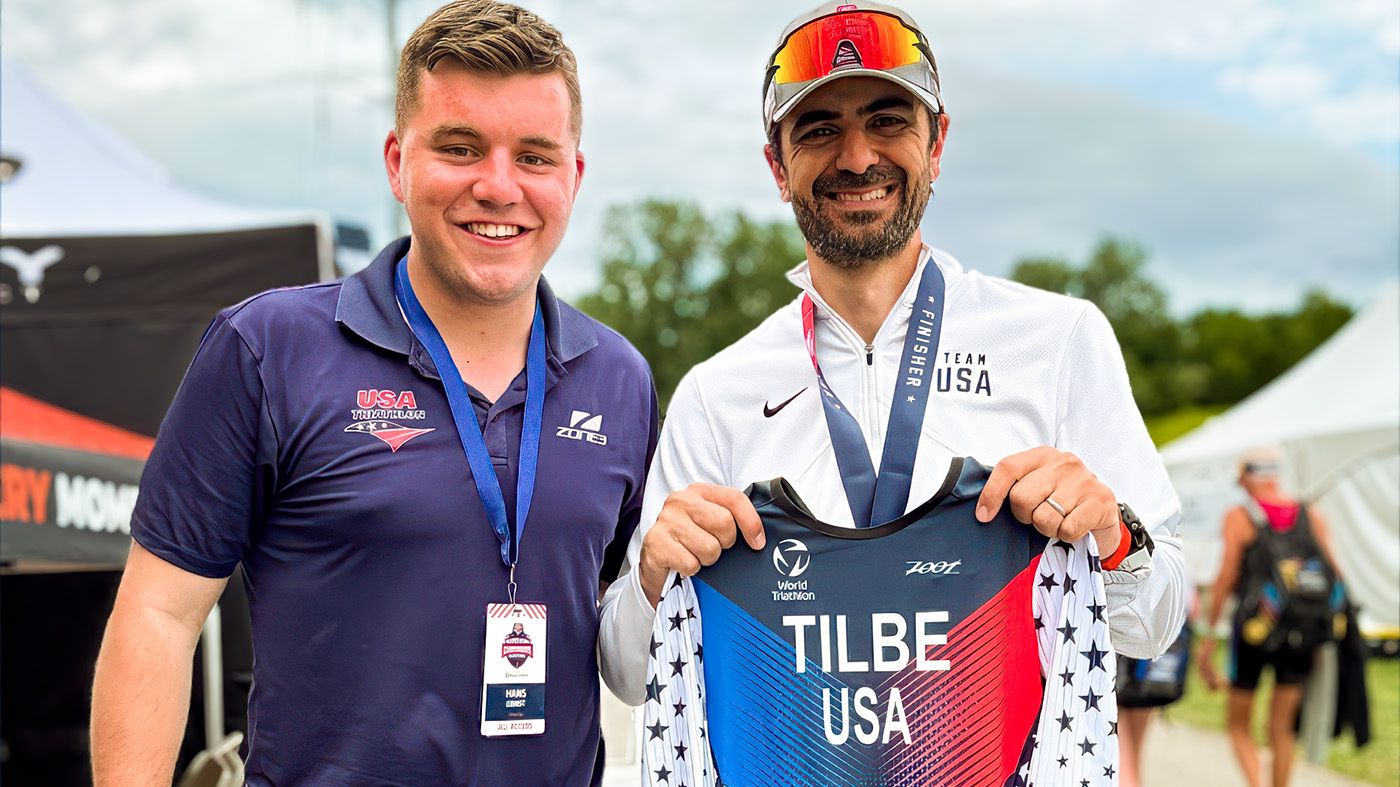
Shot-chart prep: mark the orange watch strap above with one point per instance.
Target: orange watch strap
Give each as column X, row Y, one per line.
column 1124, row 544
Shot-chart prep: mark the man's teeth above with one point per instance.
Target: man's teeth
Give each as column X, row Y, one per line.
column 867, row 196
column 493, row 230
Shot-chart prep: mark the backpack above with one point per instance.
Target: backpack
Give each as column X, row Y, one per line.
column 1291, row 595
column 1151, row 683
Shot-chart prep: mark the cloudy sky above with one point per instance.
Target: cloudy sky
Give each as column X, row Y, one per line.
column 1251, row 146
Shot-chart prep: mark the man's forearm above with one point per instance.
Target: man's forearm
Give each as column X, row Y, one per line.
column 624, row 632
column 140, row 698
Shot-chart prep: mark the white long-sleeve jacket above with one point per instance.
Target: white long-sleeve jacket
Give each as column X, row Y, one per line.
column 1016, row 368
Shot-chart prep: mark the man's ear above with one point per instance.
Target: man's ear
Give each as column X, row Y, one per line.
column 578, row 177
column 936, row 154
column 779, row 173
column 393, row 163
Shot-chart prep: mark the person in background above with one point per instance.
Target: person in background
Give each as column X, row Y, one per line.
column 1268, row 517
column 1144, row 687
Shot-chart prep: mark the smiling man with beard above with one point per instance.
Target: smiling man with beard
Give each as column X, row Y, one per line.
column 823, row 392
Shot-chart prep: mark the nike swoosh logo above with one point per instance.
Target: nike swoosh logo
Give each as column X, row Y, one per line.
column 769, row 412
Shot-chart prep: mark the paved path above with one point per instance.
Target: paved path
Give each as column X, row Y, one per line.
column 1179, row 754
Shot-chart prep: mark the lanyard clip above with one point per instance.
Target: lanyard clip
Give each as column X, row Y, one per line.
column 510, row 588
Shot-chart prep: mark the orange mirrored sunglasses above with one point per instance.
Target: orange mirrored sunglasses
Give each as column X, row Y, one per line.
column 863, row 39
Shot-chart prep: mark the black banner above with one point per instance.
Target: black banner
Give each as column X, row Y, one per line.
column 60, row 507
column 106, row 327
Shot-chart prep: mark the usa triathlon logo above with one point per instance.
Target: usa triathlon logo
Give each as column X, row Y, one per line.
column 517, row 648
column 394, row 435
column 374, row 410
column 791, row 558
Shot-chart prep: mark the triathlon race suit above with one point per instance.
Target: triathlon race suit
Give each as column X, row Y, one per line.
column 929, row 650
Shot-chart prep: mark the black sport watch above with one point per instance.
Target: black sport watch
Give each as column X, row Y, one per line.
column 1140, row 547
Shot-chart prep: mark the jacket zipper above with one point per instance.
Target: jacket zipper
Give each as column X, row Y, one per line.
column 868, row 383
column 872, row 408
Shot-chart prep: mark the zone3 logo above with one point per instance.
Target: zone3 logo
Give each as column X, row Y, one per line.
column 584, row 426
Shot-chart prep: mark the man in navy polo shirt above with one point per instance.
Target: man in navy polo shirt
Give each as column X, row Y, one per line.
column 407, row 464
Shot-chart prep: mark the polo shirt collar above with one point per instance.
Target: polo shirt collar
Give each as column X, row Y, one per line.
column 368, row 308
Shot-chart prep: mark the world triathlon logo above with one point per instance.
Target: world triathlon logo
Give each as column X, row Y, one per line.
column 791, row 558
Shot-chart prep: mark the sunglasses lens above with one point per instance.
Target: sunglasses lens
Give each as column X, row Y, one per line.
column 861, row 40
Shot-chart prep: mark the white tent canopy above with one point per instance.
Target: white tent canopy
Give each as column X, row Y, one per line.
column 1336, row 416
column 76, row 179
column 110, row 270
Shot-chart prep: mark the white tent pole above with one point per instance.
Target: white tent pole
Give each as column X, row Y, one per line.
column 325, row 249
column 390, row 11
column 391, row 8
column 213, row 641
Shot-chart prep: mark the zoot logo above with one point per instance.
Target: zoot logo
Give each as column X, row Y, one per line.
column 934, row 567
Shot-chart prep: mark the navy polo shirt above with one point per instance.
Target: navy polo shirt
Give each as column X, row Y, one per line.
column 312, row 442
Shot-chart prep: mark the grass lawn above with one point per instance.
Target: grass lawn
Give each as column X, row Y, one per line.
column 1167, row 427
column 1377, row 763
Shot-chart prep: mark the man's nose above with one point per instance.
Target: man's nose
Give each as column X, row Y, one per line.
column 856, row 153
column 496, row 182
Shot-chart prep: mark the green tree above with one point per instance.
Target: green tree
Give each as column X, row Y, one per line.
column 1317, row 318
column 1113, row 279
column 1228, row 343
column 1215, row 357
column 651, row 292
column 751, row 283
column 682, row 286
column 1047, row 274
column 1244, row 353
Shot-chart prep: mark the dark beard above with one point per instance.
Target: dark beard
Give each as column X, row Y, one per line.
column 851, row 250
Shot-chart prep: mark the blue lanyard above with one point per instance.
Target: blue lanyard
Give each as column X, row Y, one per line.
column 464, row 414
column 876, row 500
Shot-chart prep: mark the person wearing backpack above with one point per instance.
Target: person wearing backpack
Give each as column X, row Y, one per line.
column 1144, row 687
column 1277, row 559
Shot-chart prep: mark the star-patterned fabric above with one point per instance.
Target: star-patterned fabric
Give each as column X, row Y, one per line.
column 1071, row 739
column 1076, row 738
column 675, row 751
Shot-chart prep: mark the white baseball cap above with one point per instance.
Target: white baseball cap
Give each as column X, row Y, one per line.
column 838, row 40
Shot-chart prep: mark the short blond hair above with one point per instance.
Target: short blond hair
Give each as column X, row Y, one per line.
column 489, row 38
